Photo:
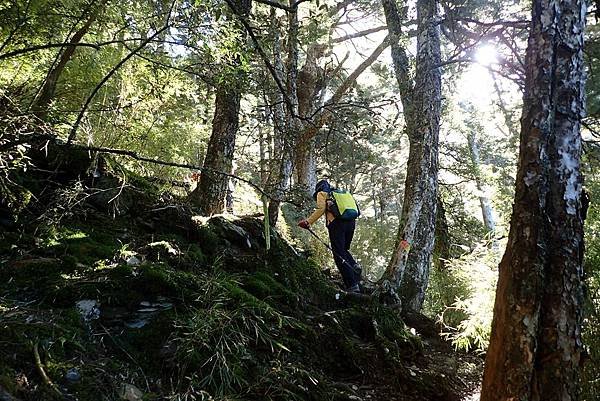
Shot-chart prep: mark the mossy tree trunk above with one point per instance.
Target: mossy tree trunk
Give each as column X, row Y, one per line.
column 535, row 348
column 210, row 193
column 408, row 271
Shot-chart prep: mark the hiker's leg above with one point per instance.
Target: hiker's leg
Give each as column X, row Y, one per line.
column 337, row 239
column 356, row 268
column 349, row 227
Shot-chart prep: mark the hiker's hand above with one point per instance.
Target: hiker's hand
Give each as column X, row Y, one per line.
column 304, row 224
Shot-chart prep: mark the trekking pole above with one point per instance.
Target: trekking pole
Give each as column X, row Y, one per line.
column 329, row 247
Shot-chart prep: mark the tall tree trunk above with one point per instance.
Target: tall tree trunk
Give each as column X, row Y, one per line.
column 46, row 94
column 484, row 202
column 210, row 193
column 408, row 270
column 287, row 124
column 310, row 84
column 535, row 348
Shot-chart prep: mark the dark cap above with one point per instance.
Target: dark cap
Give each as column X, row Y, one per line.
column 322, row 185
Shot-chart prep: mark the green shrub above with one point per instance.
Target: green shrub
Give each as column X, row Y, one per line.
column 462, row 296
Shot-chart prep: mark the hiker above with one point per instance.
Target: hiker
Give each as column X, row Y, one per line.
column 341, row 231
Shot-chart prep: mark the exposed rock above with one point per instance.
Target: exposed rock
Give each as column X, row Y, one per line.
column 133, row 261
column 89, row 309
column 73, row 375
column 130, row 392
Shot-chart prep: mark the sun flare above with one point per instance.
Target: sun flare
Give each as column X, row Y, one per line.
column 486, row 55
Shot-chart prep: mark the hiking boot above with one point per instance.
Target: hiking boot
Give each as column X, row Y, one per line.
column 357, row 268
column 354, row 288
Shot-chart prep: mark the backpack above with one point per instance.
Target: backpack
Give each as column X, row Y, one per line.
column 342, row 205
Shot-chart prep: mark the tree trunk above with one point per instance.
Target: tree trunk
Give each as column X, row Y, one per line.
column 210, row 193
column 535, row 348
column 46, row 94
column 298, row 133
column 310, row 84
column 408, row 270
column 484, row 202
column 306, row 167
column 286, row 123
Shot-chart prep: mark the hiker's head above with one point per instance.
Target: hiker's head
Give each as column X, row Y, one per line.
column 322, row 185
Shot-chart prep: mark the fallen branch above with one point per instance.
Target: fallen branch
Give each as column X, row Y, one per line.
column 136, row 156
column 42, row 372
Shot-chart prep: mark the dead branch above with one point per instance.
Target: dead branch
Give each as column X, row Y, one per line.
column 42, row 372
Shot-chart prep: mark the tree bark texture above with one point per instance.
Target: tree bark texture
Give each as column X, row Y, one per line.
column 210, row 194
column 535, row 347
column 441, row 249
column 408, row 270
column 212, row 188
column 287, row 121
column 310, row 84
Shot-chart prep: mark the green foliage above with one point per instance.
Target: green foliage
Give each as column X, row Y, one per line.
column 213, row 343
column 591, row 323
column 462, row 296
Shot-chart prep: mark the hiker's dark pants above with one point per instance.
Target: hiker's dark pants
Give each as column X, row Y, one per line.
column 340, row 236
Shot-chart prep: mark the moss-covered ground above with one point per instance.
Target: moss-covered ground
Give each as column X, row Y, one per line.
column 189, row 308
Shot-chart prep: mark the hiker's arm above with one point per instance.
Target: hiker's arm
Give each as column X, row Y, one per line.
column 320, row 210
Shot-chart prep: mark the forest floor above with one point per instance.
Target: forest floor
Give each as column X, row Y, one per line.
column 115, row 291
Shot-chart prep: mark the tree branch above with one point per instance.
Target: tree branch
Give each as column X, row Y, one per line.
column 359, row 34
column 42, row 372
column 47, row 46
column 325, row 115
column 275, row 4
column 73, row 131
column 263, row 55
column 508, row 24
column 136, row 156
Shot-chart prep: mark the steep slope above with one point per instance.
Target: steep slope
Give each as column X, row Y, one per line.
column 145, row 300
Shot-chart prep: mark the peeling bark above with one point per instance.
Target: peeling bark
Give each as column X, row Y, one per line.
column 535, row 348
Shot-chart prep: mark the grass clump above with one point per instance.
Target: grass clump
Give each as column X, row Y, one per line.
column 219, row 343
